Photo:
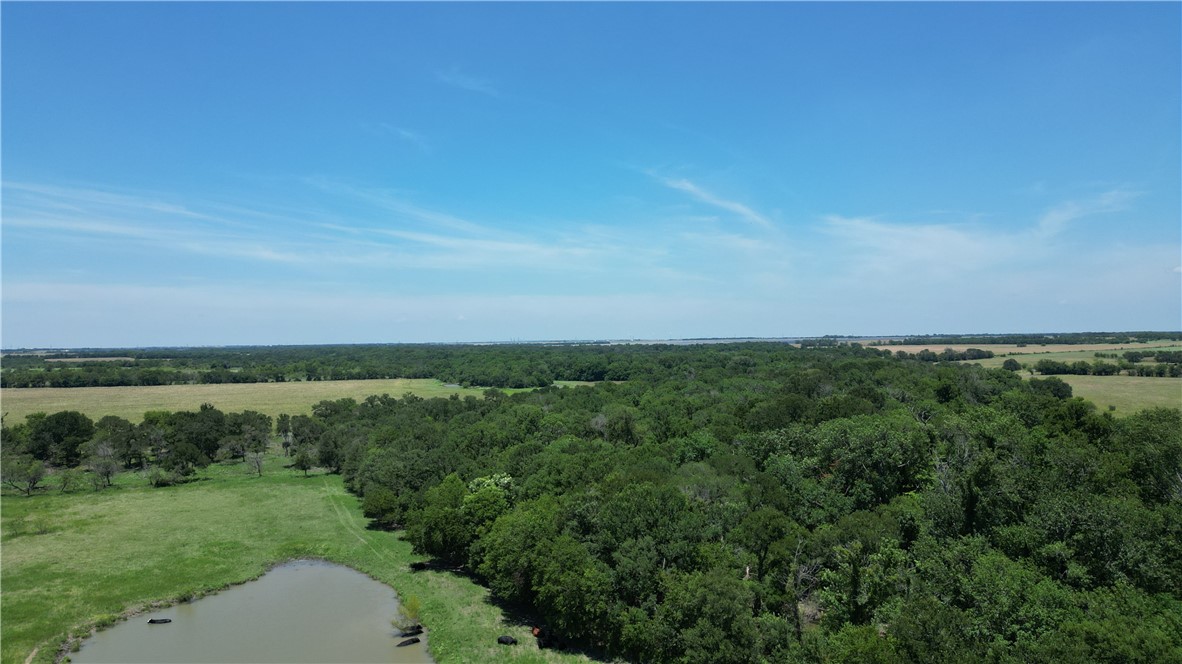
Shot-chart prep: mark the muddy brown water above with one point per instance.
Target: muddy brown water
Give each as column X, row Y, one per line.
column 305, row 611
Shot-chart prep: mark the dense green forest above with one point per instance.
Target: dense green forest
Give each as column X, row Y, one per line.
column 749, row 502
column 506, row 366
column 509, row 366
column 492, row 366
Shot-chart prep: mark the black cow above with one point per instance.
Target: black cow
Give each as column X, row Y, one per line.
column 506, row 640
column 413, row 631
column 408, row 642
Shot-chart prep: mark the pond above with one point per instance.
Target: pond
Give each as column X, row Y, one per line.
column 304, row 611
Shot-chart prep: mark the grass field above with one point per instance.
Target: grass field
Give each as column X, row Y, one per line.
column 269, row 398
column 1128, row 393
column 74, row 561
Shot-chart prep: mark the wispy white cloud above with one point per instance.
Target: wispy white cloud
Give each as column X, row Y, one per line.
column 85, row 225
column 730, row 241
column 875, row 253
column 382, row 231
column 90, row 200
column 410, row 137
column 1055, row 220
column 392, row 202
column 739, row 209
column 455, row 78
column 429, row 250
column 915, row 252
column 45, row 213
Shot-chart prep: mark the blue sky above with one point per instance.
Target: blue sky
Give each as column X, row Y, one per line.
column 224, row 173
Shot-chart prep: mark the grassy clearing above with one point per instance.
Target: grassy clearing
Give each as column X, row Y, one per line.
column 1128, row 393
column 78, row 560
column 269, row 398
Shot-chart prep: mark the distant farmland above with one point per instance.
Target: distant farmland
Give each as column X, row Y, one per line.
column 269, row 398
column 1064, row 355
column 1040, row 349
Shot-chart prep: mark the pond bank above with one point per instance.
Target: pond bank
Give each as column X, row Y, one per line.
column 303, row 611
column 135, row 549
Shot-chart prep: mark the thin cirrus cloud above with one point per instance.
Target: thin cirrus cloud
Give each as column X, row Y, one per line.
column 1057, row 219
column 734, row 207
column 408, row 136
column 921, row 251
column 878, row 249
column 50, row 213
column 398, row 205
column 80, row 199
column 457, row 79
column 382, row 232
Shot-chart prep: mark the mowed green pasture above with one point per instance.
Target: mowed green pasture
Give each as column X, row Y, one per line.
column 1128, row 393
column 74, row 561
column 270, row 398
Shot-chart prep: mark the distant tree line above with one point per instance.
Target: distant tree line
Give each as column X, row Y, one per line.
column 518, row 366
column 1101, row 368
column 503, row 366
column 947, row 355
column 1165, row 356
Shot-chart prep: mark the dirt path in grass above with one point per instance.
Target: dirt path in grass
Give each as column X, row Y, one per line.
column 348, row 522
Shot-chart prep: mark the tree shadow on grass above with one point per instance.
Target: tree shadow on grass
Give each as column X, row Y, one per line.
column 515, row 614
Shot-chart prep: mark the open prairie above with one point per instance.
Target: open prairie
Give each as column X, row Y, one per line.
column 269, row 398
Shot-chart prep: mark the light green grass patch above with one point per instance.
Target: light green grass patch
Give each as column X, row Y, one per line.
column 72, row 561
column 1128, row 393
